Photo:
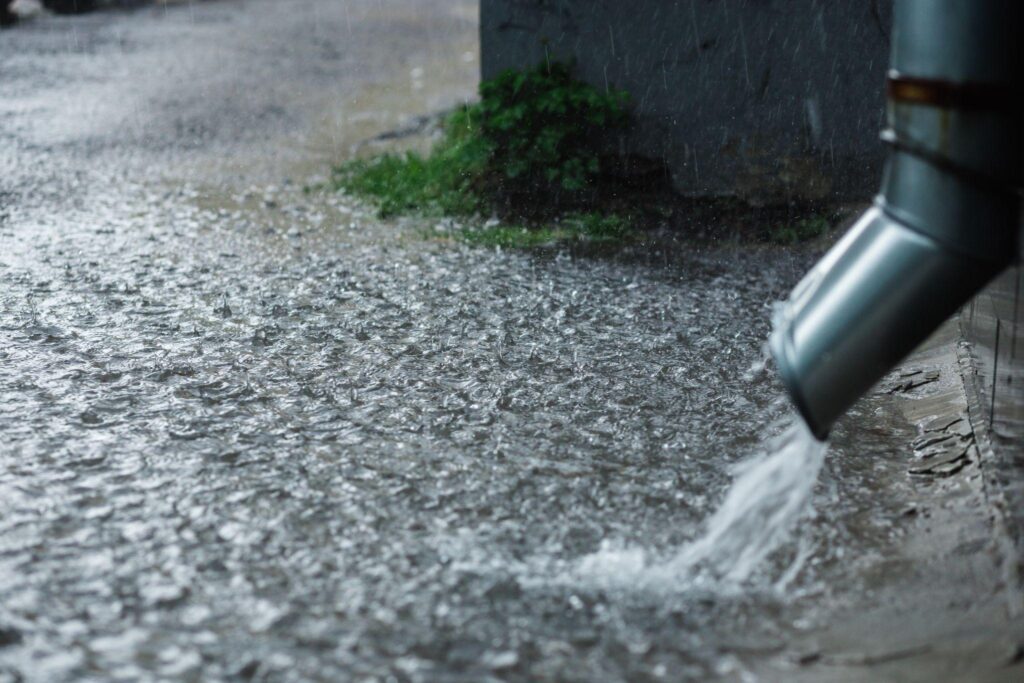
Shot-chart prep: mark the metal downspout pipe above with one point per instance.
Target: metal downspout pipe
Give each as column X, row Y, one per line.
column 945, row 221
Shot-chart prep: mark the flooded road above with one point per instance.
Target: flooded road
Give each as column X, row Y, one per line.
column 250, row 432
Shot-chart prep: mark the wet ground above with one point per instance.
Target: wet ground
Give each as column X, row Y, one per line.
column 251, row 432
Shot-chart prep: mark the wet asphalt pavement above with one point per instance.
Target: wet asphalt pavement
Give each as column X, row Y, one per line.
column 252, row 433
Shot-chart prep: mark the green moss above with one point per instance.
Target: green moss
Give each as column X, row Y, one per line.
column 802, row 230
column 576, row 227
column 602, row 228
column 511, row 236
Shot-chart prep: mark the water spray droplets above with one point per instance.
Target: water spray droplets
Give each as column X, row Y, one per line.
column 770, row 494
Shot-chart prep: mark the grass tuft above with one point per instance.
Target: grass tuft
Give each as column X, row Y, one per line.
column 529, row 148
column 529, row 152
column 442, row 183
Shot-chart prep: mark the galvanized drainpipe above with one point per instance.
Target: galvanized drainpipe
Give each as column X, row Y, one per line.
column 945, row 222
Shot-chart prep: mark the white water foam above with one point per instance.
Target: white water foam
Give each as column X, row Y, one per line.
column 770, row 494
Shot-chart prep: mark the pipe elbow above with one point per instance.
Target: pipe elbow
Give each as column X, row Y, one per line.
column 945, row 223
column 875, row 298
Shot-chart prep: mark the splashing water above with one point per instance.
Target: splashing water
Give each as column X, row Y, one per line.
column 757, row 517
column 770, row 494
column 761, row 508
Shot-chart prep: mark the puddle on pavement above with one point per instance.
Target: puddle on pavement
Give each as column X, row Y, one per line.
column 235, row 445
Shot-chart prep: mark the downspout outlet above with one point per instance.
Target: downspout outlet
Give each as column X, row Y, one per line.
column 945, row 222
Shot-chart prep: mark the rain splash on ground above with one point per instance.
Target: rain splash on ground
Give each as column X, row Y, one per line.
column 341, row 448
column 757, row 517
column 257, row 433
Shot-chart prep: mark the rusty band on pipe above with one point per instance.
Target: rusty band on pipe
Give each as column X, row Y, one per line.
column 951, row 95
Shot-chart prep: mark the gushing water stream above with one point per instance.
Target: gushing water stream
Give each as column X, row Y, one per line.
column 772, row 490
column 760, row 510
column 758, row 515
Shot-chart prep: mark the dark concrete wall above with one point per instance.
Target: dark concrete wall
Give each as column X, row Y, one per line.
column 993, row 326
column 1000, row 362
column 764, row 99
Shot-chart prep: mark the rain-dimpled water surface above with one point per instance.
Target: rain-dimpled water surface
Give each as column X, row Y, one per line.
column 256, row 434
column 354, row 451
